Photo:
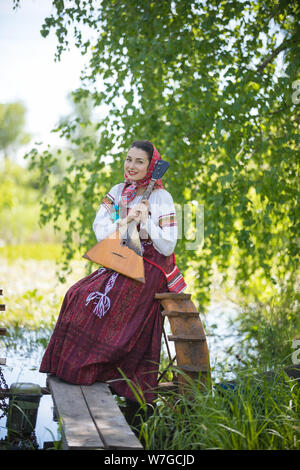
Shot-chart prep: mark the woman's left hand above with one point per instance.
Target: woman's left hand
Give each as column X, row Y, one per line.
column 140, row 212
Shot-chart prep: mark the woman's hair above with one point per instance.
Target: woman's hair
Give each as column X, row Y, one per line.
column 144, row 145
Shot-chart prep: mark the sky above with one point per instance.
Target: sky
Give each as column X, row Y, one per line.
column 28, row 71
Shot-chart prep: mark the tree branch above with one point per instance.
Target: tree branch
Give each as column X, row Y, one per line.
column 284, row 45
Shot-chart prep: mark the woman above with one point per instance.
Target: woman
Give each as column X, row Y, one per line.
column 109, row 322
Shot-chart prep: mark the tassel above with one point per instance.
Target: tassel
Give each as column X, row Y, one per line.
column 175, row 281
column 103, row 303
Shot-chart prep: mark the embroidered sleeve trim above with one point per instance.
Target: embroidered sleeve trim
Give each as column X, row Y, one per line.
column 108, row 203
column 167, row 220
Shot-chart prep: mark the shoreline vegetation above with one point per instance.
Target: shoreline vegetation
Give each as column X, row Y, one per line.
column 219, row 94
column 250, row 412
column 246, row 338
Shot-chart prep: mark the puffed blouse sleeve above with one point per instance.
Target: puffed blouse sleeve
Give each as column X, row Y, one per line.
column 162, row 223
column 104, row 223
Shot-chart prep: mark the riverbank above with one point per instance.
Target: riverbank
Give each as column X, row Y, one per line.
column 233, row 420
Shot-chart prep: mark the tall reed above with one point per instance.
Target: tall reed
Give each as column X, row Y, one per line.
column 255, row 412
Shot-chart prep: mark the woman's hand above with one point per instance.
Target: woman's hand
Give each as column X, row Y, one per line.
column 139, row 212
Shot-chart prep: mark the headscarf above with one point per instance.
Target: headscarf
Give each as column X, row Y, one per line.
column 130, row 187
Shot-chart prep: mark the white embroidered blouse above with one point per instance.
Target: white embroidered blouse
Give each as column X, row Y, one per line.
column 161, row 225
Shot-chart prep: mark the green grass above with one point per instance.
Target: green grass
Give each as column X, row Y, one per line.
column 32, row 310
column 31, row 251
column 268, row 330
column 31, row 291
column 258, row 414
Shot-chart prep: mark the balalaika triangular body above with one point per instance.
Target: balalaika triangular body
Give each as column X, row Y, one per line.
column 113, row 253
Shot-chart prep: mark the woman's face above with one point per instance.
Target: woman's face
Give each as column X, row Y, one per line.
column 136, row 164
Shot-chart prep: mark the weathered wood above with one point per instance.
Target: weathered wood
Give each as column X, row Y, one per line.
column 172, row 295
column 189, row 337
column 2, row 361
column 91, row 419
column 110, row 422
column 175, row 313
column 192, row 355
column 2, row 331
column 179, row 305
column 2, row 307
column 78, row 429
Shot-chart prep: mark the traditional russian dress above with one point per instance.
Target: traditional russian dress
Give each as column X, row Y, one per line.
column 109, row 322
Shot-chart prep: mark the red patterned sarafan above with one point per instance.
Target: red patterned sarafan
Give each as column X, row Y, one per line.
column 85, row 348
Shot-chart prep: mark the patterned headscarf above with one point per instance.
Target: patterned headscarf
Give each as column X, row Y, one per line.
column 130, row 187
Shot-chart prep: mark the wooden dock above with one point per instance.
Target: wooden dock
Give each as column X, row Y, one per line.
column 90, row 417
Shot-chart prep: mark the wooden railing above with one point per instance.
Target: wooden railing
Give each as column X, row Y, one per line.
column 192, row 355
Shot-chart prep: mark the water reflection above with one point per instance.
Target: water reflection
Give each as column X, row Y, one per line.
column 22, row 364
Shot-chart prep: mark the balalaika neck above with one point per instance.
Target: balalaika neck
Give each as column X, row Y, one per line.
column 148, row 190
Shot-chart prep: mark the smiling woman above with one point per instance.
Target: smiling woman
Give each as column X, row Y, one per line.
column 136, row 164
column 110, row 325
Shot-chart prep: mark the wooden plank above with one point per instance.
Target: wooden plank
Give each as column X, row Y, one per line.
column 1, row 291
column 79, row 430
column 110, row 422
column 179, row 313
column 2, row 331
column 2, row 307
column 172, row 295
column 178, row 305
column 186, row 338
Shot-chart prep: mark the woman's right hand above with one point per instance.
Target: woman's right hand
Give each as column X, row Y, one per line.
column 131, row 216
column 137, row 213
column 124, row 222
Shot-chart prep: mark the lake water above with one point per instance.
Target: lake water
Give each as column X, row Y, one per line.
column 22, row 366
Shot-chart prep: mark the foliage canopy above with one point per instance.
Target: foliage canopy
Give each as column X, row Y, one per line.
column 212, row 84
